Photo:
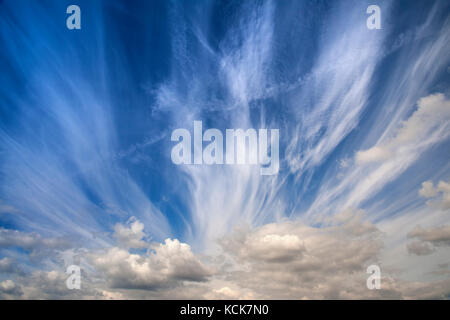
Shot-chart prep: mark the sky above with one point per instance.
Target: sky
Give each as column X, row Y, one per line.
column 87, row 178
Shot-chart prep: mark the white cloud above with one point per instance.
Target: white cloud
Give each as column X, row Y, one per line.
column 439, row 236
column 391, row 156
column 420, row 248
column 111, row 295
column 428, row 240
column 228, row 293
column 287, row 260
column 130, row 237
column 429, row 191
column 9, row 290
column 33, row 242
column 413, row 77
column 372, row 155
column 9, row 265
column 168, row 265
column 294, row 261
column 273, row 247
column 428, row 124
column 314, row 263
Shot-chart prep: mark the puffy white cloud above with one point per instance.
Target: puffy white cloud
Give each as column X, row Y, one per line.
column 30, row 241
column 428, row 124
column 289, row 260
column 270, row 246
column 442, row 189
column 400, row 145
column 428, row 191
column 37, row 285
column 294, row 261
column 427, row 240
column 9, row 290
column 372, row 155
column 439, row 236
column 130, row 237
column 8, row 265
column 167, row 265
column 42, row 284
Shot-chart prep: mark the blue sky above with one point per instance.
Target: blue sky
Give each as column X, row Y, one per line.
column 86, row 118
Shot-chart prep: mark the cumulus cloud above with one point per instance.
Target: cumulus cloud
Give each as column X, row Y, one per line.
column 230, row 294
column 428, row 124
column 41, row 284
column 428, row 191
column 294, row 261
column 318, row 263
column 9, row 290
column 130, row 236
column 287, row 260
column 8, row 265
column 427, row 240
column 440, row 193
column 168, row 264
column 439, row 236
column 32, row 242
column 420, row 248
column 111, row 295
